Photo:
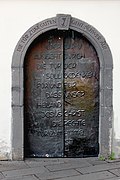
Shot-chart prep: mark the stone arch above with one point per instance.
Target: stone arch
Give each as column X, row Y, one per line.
column 62, row 22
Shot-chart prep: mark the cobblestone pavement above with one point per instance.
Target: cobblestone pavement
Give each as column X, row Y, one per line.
column 60, row 169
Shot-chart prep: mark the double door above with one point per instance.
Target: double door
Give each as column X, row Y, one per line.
column 61, row 96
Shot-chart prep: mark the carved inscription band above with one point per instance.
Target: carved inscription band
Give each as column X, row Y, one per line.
column 62, row 22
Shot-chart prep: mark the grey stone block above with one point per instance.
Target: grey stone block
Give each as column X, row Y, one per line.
column 101, row 78
column 115, row 171
column 96, row 161
column 116, row 178
column 16, row 96
column 16, row 56
column 17, row 86
column 15, row 77
column 108, row 114
column 75, row 160
column 102, row 111
column 104, row 150
column 43, row 162
column 31, row 177
column 104, row 128
column 69, row 165
column 108, row 78
column 104, row 138
column 58, row 174
column 17, row 133
column 63, row 21
column 93, row 176
column 12, row 165
column 1, row 176
column 102, row 97
column 108, row 59
column 98, row 168
column 108, row 98
column 23, row 172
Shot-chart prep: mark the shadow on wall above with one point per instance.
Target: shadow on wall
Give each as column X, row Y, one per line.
column 116, row 140
column 4, row 150
column 116, row 147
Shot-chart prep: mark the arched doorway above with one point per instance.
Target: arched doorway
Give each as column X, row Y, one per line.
column 65, row 100
column 61, row 96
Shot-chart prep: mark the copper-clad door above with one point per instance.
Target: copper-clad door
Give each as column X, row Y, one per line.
column 61, row 97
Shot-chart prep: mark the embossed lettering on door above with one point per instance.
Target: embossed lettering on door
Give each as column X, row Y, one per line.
column 61, row 99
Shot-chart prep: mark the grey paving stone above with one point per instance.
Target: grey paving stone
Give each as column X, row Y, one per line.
column 23, row 172
column 43, row 162
column 92, row 176
column 43, row 159
column 117, row 178
column 57, row 174
column 11, row 165
column 31, row 177
column 95, row 161
column 115, row 171
column 70, row 165
column 72, row 160
column 97, row 168
column 50, row 161
column 1, row 176
column 113, row 161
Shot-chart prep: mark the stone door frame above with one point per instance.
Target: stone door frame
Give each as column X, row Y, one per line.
column 62, row 22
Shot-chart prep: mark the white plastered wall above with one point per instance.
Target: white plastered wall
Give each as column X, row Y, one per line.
column 16, row 16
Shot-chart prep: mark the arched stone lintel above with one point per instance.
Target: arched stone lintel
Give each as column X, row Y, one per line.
column 87, row 30
column 62, row 22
